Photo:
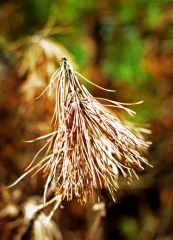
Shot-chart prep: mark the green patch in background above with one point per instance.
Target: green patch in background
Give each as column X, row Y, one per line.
column 129, row 227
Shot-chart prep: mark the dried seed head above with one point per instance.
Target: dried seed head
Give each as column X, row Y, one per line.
column 89, row 145
column 38, row 58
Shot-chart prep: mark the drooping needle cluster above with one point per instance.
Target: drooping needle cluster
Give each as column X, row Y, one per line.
column 89, row 145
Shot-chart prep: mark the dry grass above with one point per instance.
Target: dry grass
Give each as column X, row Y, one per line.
column 89, row 146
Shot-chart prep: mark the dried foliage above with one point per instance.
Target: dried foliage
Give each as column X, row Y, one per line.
column 25, row 221
column 89, row 145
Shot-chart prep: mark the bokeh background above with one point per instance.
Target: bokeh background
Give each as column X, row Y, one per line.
column 122, row 45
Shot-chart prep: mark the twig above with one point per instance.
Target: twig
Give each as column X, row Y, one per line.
column 97, row 221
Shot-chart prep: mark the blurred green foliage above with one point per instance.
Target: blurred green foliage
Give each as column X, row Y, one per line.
column 118, row 29
column 129, row 227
